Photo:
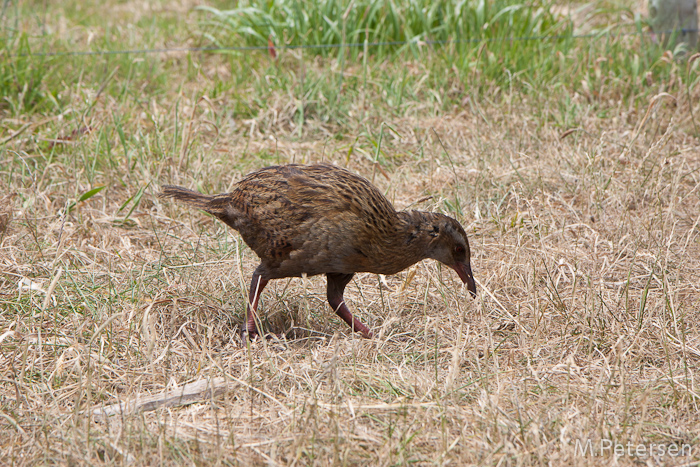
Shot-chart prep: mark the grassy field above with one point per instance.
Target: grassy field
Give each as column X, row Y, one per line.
column 573, row 164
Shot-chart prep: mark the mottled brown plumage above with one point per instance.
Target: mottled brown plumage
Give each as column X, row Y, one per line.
column 322, row 219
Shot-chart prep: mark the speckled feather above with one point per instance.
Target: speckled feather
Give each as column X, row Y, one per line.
column 322, row 219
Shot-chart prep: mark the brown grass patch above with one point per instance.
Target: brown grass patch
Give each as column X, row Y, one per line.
column 586, row 254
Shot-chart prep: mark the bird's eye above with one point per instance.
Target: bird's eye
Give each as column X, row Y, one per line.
column 459, row 250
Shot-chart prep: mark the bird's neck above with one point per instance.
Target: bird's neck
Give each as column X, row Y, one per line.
column 413, row 235
column 406, row 243
column 417, row 224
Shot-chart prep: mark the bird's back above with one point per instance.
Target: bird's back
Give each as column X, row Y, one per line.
column 309, row 219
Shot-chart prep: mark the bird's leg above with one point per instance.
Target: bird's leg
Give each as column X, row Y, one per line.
column 257, row 284
column 336, row 287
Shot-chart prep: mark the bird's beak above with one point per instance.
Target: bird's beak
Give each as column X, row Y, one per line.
column 464, row 271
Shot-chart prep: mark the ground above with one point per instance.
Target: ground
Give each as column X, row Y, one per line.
column 581, row 199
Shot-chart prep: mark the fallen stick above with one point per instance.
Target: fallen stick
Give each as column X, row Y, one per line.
column 185, row 395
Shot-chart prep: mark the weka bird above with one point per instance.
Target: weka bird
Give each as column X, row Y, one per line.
column 322, row 219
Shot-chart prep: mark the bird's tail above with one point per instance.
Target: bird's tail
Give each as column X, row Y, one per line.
column 190, row 197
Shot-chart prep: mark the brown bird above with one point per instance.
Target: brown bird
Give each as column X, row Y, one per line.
column 322, row 219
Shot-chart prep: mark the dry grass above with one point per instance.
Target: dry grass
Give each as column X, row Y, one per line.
column 586, row 251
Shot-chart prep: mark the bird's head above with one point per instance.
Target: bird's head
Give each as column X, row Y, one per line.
column 448, row 244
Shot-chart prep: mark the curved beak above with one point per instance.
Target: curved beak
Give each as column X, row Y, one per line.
column 464, row 271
